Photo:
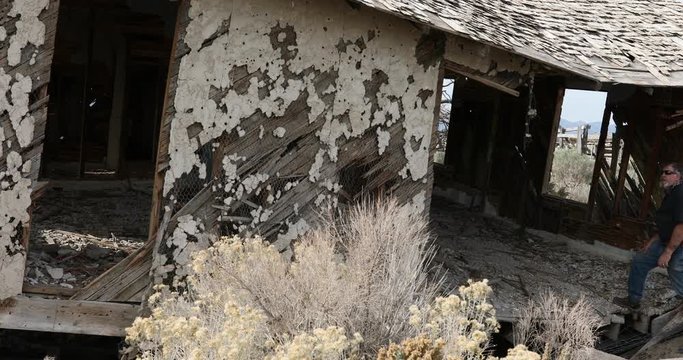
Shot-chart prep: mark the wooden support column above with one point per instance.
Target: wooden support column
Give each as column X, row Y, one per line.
column 452, row 151
column 598, row 159
column 553, row 138
column 116, row 118
column 623, row 170
column 161, row 162
column 492, row 144
column 616, row 147
column 84, row 98
column 435, row 139
column 651, row 173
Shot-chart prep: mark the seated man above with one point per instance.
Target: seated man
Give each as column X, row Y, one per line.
column 663, row 249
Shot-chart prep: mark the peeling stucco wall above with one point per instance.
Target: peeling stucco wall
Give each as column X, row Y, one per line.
column 304, row 105
column 22, row 38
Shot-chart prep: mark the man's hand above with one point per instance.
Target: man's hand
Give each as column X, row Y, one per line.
column 665, row 258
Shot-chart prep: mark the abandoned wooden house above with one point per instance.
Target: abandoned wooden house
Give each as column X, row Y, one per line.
column 251, row 116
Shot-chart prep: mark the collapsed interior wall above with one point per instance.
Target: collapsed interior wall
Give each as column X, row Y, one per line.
column 26, row 45
column 321, row 103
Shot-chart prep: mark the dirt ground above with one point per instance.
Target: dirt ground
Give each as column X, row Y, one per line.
column 81, row 229
column 520, row 265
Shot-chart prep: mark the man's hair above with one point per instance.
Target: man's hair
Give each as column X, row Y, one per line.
column 678, row 167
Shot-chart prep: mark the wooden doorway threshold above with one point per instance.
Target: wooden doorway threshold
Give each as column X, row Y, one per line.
column 67, row 316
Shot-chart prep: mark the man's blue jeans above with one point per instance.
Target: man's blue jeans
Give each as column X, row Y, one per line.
column 643, row 262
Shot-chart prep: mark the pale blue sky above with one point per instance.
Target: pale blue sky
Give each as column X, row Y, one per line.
column 583, row 106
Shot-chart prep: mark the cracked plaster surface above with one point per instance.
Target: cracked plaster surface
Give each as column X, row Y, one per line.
column 284, row 46
column 15, row 184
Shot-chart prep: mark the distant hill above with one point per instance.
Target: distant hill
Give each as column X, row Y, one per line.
column 595, row 126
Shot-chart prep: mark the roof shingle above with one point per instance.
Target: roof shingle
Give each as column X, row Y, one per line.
column 613, row 41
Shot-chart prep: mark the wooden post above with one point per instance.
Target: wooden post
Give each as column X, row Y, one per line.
column 553, row 138
column 435, row 140
column 616, row 147
column 651, row 172
column 623, row 170
column 579, row 139
column 84, row 99
column 116, row 116
column 600, row 153
column 491, row 145
column 451, row 152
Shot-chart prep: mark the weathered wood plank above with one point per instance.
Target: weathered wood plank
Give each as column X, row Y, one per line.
column 553, row 138
column 652, row 163
column 67, row 316
column 50, row 290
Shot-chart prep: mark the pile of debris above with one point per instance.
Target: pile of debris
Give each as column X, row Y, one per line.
column 78, row 232
column 523, row 263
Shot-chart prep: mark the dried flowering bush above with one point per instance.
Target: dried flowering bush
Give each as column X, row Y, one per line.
column 330, row 343
column 360, row 273
column 463, row 323
column 204, row 326
column 420, row 347
column 355, row 284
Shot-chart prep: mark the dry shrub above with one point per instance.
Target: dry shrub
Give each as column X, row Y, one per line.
column 360, row 273
column 355, row 284
column 420, row 347
column 571, row 174
column 463, row 323
column 556, row 328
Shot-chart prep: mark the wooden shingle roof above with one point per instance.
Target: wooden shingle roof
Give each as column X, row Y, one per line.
column 612, row 41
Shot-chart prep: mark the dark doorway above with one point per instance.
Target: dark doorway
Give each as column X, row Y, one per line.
column 91, row 206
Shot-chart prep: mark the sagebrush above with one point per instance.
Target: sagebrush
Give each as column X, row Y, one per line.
column 557, row 328
column 571, row 174
column 358, row 287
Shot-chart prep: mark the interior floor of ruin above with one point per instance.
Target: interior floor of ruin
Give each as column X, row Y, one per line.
column 80, row 229
column 522, row 264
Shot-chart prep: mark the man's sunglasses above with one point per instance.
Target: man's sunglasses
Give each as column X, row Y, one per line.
column 668, row 172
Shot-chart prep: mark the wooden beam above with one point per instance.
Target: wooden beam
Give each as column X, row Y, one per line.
column 488, row 81
column 493, row 67
column 84, row 95
column 435, row 139
column 598, row 159
column 651, row 171
column 67, row 316
column 553, row 138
